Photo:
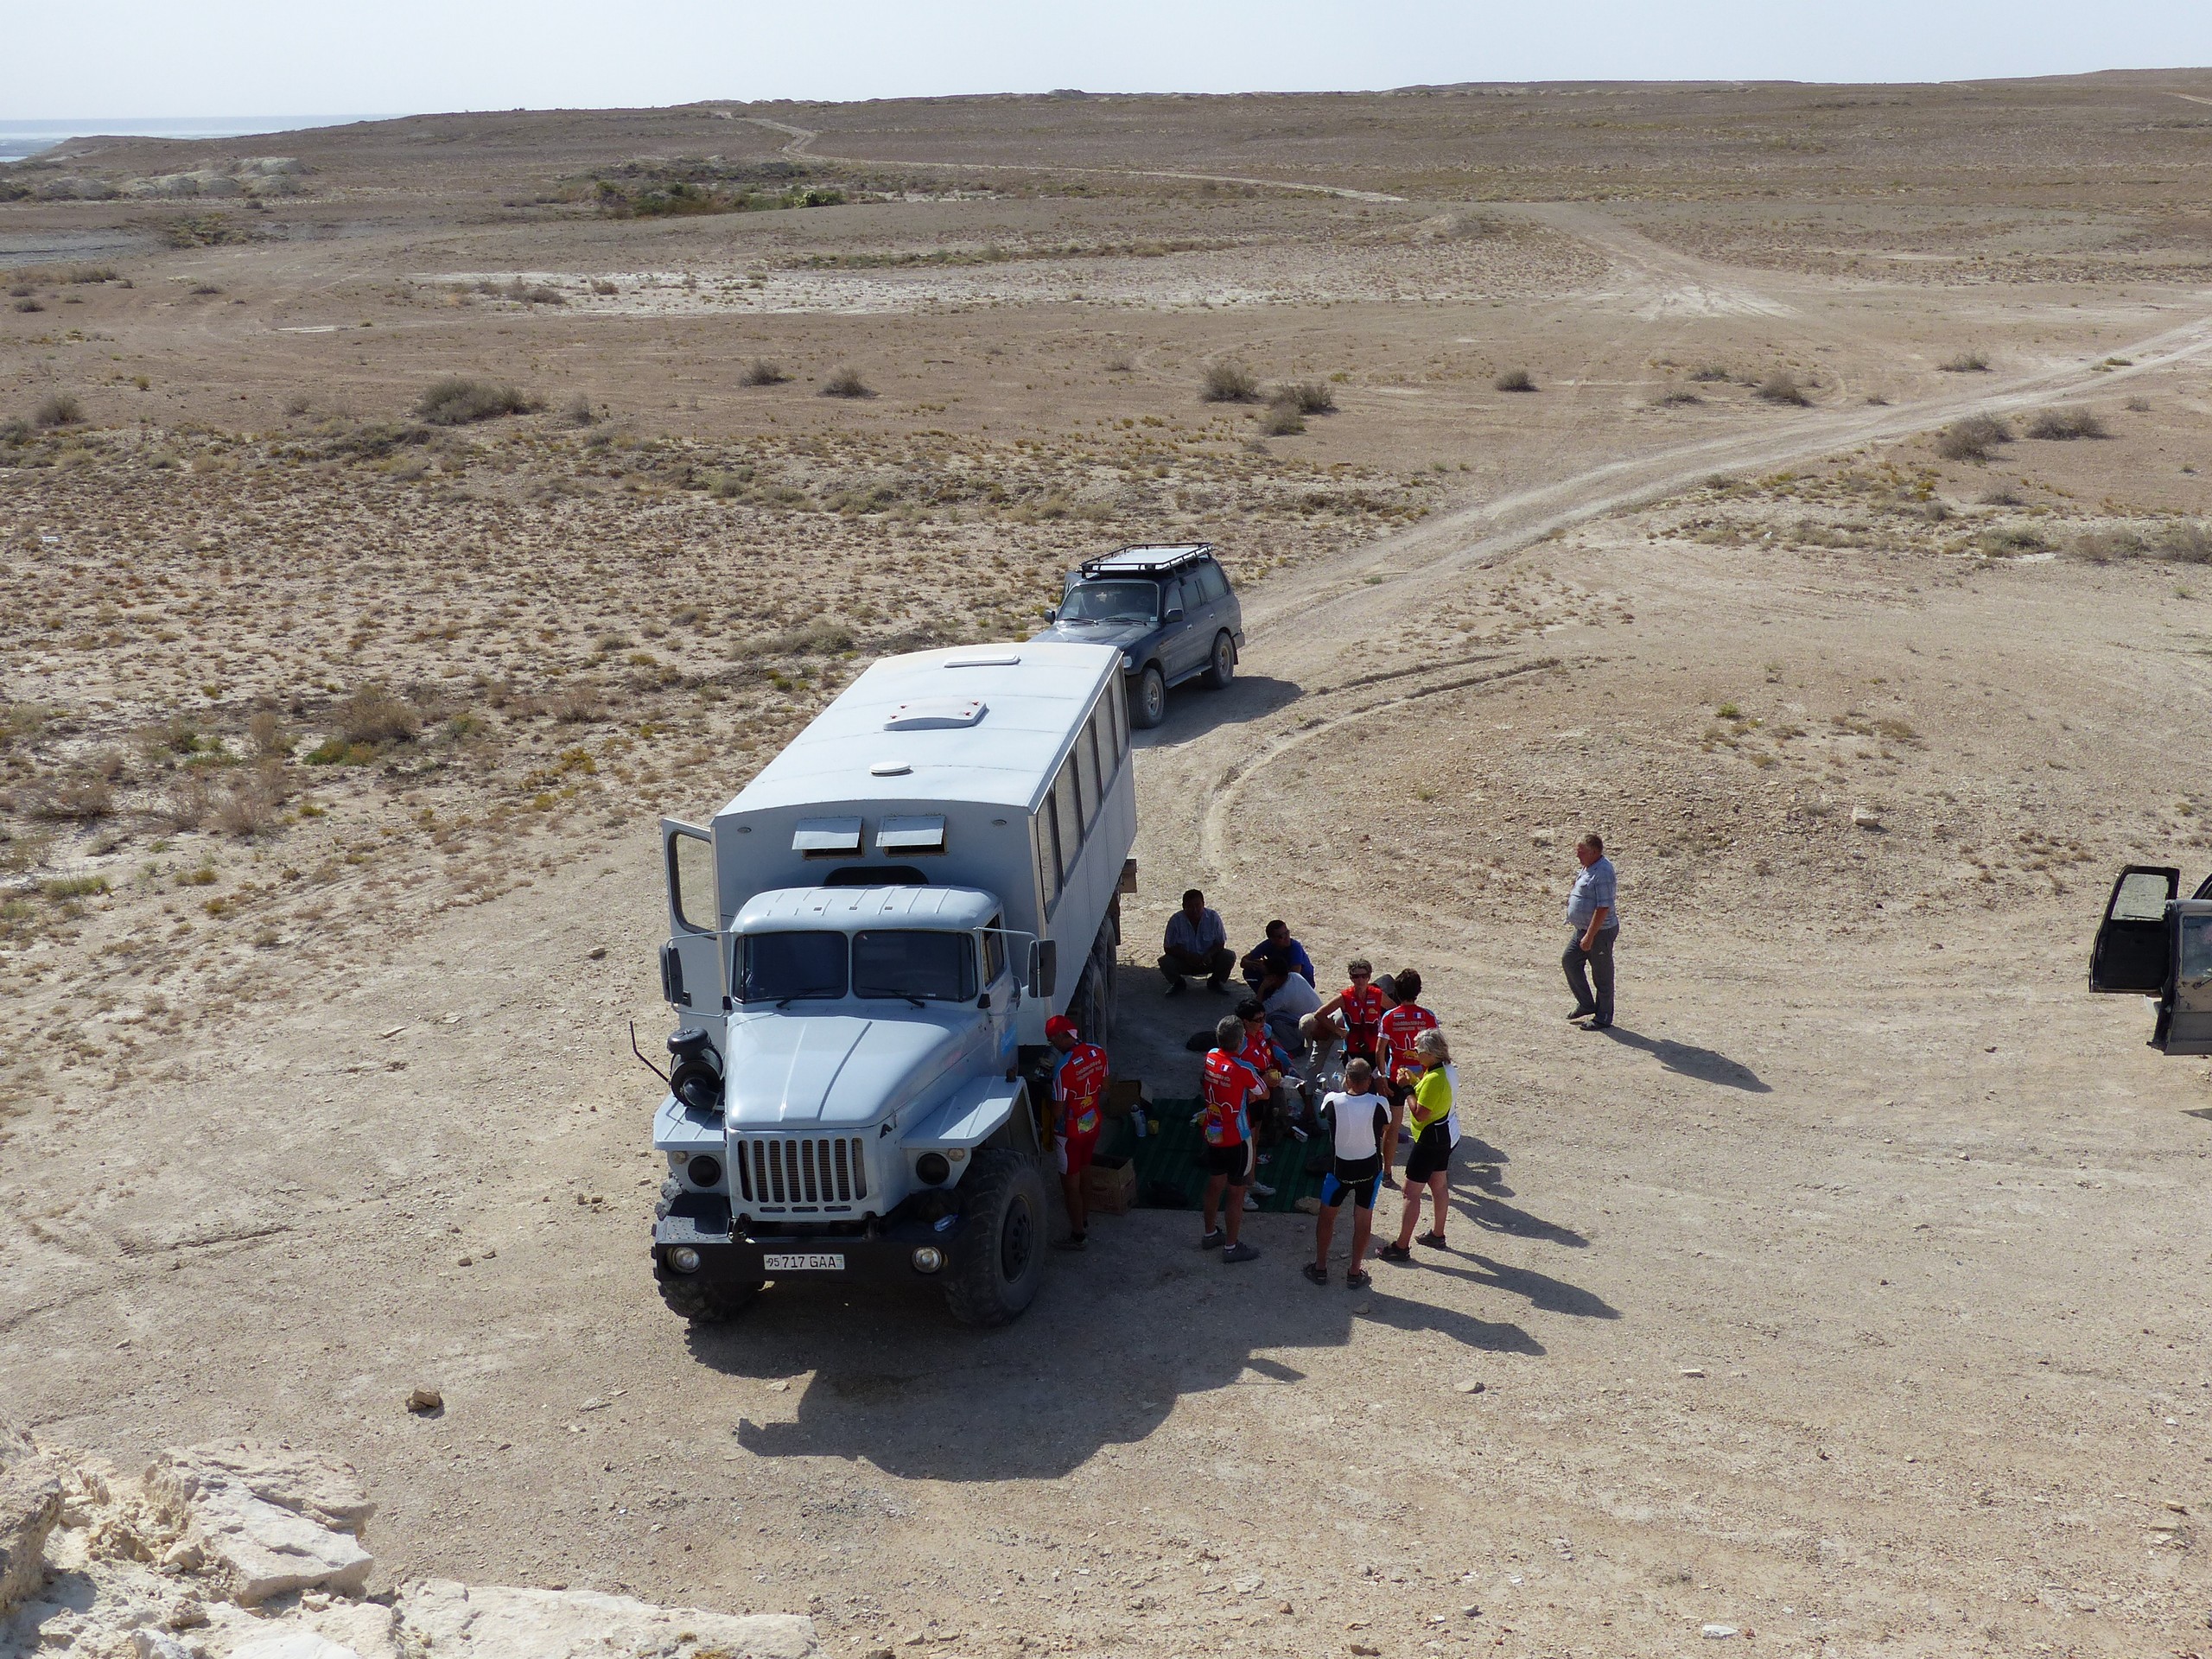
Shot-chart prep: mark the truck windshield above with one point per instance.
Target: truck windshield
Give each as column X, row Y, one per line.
column 780, row 967
column 932, row 966
column 1110, row 602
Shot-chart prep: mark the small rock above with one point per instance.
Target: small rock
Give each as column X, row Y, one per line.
column 150, row 1644
column 1470, row 1612
column 1692, row 1370
column 184, row 1557
column 780, row 1385
column 1283, row 1607
column 1863, row 817
column 1365, row 1648
column 187, row 1615
column 1308, row 1205
column 1716, row 1632
column 425, row 1398
column 2178, row 1509
column 1470, row 1386
column 464, row 1261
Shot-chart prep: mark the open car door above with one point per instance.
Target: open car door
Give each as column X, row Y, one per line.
column 2132, row 953
column 691, row 961
column 2186, row 1019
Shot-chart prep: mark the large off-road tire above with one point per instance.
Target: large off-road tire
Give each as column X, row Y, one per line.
column 1148, row 699
column 1221, row 667
column 700, row 1302
column 998, row 1250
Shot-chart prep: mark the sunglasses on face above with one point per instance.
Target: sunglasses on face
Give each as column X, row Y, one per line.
column 1362, row 976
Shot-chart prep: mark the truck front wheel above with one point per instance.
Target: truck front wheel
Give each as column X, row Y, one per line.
column 700, row 1302
column 998, row 1250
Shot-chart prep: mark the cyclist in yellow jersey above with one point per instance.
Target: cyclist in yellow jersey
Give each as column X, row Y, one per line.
column 1430, row 1164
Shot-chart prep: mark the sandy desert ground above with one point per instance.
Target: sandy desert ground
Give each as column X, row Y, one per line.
column 1847, row 1296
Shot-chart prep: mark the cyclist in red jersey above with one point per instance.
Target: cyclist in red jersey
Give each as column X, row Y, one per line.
column 1353, row 1015
column 1229, row 1085
column 1078, row 1090
column 1401, row 1069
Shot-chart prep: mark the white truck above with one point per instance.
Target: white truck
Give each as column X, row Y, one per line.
column 864, row 946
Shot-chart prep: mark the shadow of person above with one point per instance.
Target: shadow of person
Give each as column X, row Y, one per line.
column 1705, row 1065
column 1492, row 1216
column 1098, row 1361
column 1540, row 1290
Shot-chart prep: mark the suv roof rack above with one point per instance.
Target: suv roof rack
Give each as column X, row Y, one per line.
column 1156, row 560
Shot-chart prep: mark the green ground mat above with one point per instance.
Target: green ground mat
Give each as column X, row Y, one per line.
column 1168, row 1154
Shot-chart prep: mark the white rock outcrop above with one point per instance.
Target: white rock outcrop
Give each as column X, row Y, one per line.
column 30, row 1504
column 270, row 1520
column 489, row 1622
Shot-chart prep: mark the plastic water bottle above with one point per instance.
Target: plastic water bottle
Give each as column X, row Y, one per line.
column 1136, row 1121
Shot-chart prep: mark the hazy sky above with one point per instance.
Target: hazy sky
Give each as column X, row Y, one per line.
column 238, row 57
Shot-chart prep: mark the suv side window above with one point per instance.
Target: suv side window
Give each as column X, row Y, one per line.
column 1183, row 595
column 1214, row 584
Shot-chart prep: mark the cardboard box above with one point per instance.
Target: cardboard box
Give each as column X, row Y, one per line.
column 1110, row 1185
column 1122, row 1097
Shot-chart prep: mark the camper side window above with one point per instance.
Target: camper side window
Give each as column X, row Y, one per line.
column 1118, row 710
column 1067, row 811
column 1048, row 854
column 1086, row 745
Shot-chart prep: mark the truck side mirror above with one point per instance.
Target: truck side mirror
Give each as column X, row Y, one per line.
column 1044, row 966
column 1052, row 612
column 1175, row 613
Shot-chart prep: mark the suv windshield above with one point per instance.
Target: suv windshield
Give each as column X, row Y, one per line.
column 932, row 966
column 779, row 967
column 1110, row 602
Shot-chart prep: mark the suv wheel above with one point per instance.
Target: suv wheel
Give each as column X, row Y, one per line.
column 998, row 1250
column 1148, row 699
column 1222, row 669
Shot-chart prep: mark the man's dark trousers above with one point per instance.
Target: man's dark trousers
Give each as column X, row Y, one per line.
column 1600, row 960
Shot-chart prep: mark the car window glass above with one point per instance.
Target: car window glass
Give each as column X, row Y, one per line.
column 1215, row 584
column 1109, row 601
column 994, row 952
column 2196, row 952
column 1067, row 811
column 2142, row 898
column 779, row 967
column 1101, row 738
column 905, row 962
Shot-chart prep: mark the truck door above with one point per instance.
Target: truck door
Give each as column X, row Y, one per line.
column 2187, row 1017
column 2131, row 953
column 691, row 961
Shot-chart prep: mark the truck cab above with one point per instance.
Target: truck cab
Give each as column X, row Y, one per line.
column 2153, row 943
column 864, row 946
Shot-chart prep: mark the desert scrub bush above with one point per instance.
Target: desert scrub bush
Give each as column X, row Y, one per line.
column 1283, row 419
column 533, row 293
column 1965, row 363
column 60, row 408
column 372, row 714
column 61, row 887
column 250, row 806
column 1675, row 396
column 265, row 731
column 1973, row 438
column 846, row 383
column 820, row 637
column 1515, row 380
column 2063, row 424
column 1228, row 381
column 27, row 304
column 578, row 411
column 762, row 371
column 1707, row 374
column 76, row 800
column 460, row 399
column 1780, row 386
column 1306, row 397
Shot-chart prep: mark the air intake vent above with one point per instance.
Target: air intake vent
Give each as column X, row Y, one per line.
column 779, row 1174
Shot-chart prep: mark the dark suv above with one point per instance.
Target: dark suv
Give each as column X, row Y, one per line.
column 1170, row 609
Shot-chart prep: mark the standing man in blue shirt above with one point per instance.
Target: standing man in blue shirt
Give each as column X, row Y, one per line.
column 1593, row 912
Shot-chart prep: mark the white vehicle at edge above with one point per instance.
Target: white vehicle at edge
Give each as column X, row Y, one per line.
column 864, row 946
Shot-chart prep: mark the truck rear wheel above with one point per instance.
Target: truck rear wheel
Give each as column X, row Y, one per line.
column 700, row 1302
column 1221, row 667
column 998, row 1250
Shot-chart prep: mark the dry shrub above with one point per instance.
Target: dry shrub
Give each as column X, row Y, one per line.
column 1782, row 387
column 460, row 399
column 846, row 382
column 372, row 714
column 816, row 639
column 1971, row 438
column 2063, row 424
column 1306, row 397
column 1709, row 373
column 600, row 285
column 185, row 804
column 1283, row 419
column 1228, row 382
column 1675, row 396
column 578, row 411
column 60, row 408
column 1515, row 380
column 79, row 800
column 574, row 705
column 250, row 806
column 267, row 733
column 1965, row 363
column 1120, row 362
column 762, row 371
column 2187, row 542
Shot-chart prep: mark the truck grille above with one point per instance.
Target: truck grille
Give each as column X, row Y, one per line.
column 802, row 1172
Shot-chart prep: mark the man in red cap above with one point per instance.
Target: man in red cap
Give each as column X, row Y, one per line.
column 1078, row 1090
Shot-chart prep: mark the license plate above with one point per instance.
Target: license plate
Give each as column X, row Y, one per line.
column 811, row 1262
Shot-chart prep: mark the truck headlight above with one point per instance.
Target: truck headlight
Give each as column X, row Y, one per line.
column 928, row 1259
column 702, row 1170
column 931, row 1169
column 1128, row 663
column 683, row 1259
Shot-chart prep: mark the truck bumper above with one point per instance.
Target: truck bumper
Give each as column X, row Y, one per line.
column 735, row 1254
